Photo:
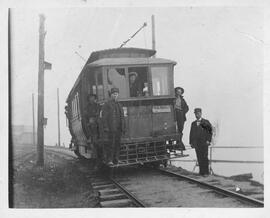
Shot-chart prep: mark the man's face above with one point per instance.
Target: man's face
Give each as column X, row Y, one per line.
column 179, row 92
column 114, row 95
column 198, row 115
column 92, row 99
column 132, row 78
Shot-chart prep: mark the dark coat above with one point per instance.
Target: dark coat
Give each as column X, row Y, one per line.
column 200, row 134
column 184, row 106
column 113, row 117
column 135, row 89
column 92, row 110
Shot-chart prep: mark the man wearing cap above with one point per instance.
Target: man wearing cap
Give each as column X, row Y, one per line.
column 113, row 125
column 134, row 85
column 200, row 138
column 180, row 108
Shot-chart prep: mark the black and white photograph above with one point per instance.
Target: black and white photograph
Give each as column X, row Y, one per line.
column 133, row 107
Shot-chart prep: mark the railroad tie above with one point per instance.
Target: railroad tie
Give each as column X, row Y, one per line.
column 117, row 203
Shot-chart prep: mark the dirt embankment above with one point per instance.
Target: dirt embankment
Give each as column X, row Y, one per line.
column 59, row 184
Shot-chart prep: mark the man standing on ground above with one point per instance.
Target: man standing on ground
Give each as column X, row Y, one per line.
column 200, row 138
column 113, row 125
column 180, row 108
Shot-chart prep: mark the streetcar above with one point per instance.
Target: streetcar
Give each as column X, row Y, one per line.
column 151, row 135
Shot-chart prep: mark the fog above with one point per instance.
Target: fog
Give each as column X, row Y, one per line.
column 218, row 50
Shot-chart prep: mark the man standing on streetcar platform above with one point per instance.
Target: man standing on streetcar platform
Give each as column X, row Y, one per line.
column 92, row 113
column 113, row 126
column 180, row 108
column 200, row 138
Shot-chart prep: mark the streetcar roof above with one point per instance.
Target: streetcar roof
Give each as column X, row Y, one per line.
column 129, row 61
column 120, row 56
column 120, row 53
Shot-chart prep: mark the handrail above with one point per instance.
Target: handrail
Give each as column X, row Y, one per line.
column 223, row 161
column 213, row 146
column 236, row 146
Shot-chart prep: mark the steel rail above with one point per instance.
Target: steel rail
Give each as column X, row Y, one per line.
column 219, row 190
column 132, row 197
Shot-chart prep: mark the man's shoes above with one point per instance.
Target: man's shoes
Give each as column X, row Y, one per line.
column 115, row 161
column 110, row 163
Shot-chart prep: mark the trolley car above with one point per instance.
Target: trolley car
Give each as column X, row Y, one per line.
column 151, row 134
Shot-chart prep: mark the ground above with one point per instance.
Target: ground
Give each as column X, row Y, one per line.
column 59, row 184
column 64, row 182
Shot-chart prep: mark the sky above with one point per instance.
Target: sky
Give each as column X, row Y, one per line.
column 218, row 50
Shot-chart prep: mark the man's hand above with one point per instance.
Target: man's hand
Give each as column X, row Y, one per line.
column 208, row 143
column 193, row 146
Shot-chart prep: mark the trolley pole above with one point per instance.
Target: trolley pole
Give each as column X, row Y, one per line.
column 40, row 130
column 59, row 142
column 153, row 34
column 34, row 127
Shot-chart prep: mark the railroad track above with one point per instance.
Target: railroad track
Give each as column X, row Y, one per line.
column 219, row 190
column 112, row 194
column 19, row 160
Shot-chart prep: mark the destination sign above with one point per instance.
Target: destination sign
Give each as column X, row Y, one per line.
column 161, row 109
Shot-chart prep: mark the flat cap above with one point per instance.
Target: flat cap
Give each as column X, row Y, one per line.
column 197, row 110
column 113, row 90
column 180, row 89
column 133, row 73
column 91, row 94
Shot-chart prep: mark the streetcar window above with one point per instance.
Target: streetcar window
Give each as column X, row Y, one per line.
column 92, row 88
column 117, row 79
column 160, row 80
column 73, row 110
column 78, row 104
column 99, row 87
column 138, row 85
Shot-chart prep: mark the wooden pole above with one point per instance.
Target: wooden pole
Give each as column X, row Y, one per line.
column 153, row 34
column 34, row 127
column 40, row 138
column 59, row 141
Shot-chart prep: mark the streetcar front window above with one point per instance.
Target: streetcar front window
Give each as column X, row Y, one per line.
column 138, row 85
column 117, row 79
column 160, row 81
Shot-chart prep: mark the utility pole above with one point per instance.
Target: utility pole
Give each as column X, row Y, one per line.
column 34, row 127
column 153, row 34
column 59, row 142
column 40, row 138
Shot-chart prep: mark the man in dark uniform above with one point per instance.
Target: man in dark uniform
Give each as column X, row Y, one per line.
column 134, row 85
column 113, row 125
column 92, row 112
column 200, row 138
column 180, row 108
